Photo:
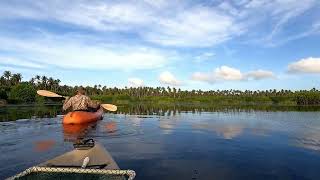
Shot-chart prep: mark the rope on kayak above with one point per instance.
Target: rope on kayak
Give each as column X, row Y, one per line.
column 130, row 173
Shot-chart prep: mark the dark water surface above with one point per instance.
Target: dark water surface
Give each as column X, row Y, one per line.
column 228, row 144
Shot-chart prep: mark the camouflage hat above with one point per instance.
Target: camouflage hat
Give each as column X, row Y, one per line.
column 81, row 90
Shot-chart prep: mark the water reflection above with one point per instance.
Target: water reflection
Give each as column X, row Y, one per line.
column 111, row 127
column 28, row 112
column 44, row 145
column 309, row 140
column 225, row 144
column 168, row 125
column 227, row 131
column 174, row 109
column 12, row 113
column 73, row 132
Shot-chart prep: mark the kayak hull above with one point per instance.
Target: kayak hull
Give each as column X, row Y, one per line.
column 82, row 117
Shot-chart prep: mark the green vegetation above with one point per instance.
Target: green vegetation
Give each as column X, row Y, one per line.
column 13, row 90
column 22, row 93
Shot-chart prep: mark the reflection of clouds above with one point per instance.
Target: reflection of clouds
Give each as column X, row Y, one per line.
column 259, row 131
column 168, row 124
column 228, row 131
column 306, row 131
column 309, row 140
column 136, row 121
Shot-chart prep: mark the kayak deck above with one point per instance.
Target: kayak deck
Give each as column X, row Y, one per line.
column 68, row 166
column 98, row 156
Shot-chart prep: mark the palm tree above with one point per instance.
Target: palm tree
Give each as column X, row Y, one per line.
column 44, row 82
column 2, row 81
column 51, row 83
column 7, row 75
column 15, row 79
column 32, row 81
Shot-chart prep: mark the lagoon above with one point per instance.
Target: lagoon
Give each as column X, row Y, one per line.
column 216, row 143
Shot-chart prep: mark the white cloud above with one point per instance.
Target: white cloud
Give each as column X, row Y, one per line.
column 198, row 26
column 169, row 79
column 19, row 62
column 157, row 21
column 225, row 73
column 260, row 74
column 204, row 57
column 75, row 52
column 278, row 14
column 135, row 82
column 307, row 65
column 168, row 23
column 97, row 15
column 228, row 73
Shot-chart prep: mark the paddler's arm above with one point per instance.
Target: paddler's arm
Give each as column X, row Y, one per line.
column 93, row 104
column 67, row 104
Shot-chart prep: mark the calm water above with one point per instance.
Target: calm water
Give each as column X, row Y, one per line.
column 228, row 144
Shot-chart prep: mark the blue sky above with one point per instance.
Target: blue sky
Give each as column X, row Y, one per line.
column 234, row 44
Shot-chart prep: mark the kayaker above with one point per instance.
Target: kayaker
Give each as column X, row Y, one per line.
column 80, row 102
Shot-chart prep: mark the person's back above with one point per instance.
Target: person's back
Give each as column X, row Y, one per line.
column 80, row 102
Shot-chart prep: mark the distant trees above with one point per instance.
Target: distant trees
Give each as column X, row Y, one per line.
column 13, row 89
column 22, row 93
column 8, row 79
column 3, row 94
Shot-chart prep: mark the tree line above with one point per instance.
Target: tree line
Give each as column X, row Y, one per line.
column 14, row 90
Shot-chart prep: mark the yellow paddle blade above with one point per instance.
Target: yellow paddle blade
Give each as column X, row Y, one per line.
column 48, row 93
column 109, row 107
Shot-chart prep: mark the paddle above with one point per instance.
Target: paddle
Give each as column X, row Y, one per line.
column 48, row 94
column 109, row 107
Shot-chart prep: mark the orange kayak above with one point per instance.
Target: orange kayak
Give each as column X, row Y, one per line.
column 81, row 117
